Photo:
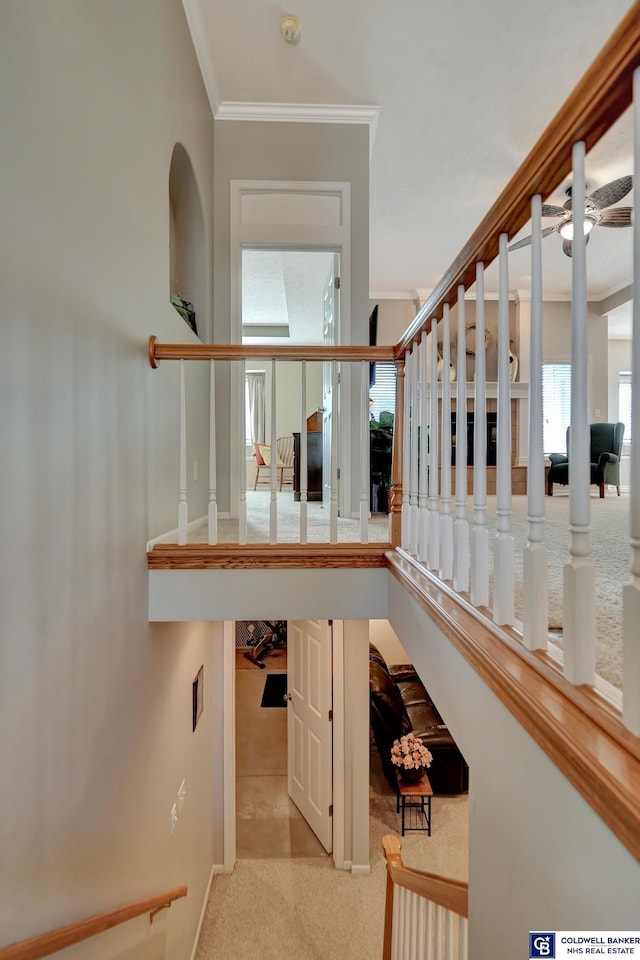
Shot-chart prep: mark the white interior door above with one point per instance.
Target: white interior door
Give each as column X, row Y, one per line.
column 309, row 724
column 329, row 337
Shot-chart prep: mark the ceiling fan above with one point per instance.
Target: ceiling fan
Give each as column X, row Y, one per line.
column 595, row 213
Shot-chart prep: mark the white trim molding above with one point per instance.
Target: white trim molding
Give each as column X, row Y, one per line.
column 203, row 52
column 302, row 113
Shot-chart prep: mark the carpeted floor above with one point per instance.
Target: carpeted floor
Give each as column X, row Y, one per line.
column 611, row 554
column 258, row 505
column 279, row 908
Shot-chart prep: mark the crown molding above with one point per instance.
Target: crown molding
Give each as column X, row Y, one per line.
column 203, row 55
column 301, row 113
column 392, row 295
column 616, row 288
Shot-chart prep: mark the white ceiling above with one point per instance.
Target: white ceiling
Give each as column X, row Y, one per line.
column 462, row 90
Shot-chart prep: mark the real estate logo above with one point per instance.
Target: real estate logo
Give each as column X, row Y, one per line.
column 542, row 945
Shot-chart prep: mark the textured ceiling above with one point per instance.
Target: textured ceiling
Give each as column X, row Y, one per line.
column 463, row 89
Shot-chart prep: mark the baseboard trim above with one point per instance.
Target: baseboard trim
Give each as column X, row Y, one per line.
column 360, row 869
column 173, row 534
column 216, row 868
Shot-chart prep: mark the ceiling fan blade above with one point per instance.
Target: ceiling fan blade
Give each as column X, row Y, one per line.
column 566, row 245
column 527, row 240
column 618, row 217
column 610, row 193
column 550, row 210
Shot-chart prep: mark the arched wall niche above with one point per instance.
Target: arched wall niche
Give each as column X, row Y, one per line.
column 187, row 245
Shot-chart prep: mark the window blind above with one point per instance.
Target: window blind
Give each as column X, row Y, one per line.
column 383, row 392
column 556, row 406
column 624, row 401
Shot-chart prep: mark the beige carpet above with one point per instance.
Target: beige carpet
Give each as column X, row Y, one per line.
column 611, row 554
column 258, row 506
column 307, row 910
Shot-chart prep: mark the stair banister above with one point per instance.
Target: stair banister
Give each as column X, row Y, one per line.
column 461, row 526
column 44, row 944
column 503, row 592
column 422, row 909
column 579, row 573
column 479, row 531
column 446, row 518
column 535, row 629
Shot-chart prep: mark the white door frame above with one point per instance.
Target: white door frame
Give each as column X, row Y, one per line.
column 229, row 739
column 294, row 215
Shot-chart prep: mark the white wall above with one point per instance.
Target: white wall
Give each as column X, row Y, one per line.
column 539, row 857
column 287, row 151
column 95, row 702
column 383, row 637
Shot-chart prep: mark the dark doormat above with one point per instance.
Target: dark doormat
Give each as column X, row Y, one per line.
column 275, row 688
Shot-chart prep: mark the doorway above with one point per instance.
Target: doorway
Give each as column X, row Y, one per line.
column 269, row 825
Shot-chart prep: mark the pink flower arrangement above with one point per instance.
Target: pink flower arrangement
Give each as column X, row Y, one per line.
column 409, row 753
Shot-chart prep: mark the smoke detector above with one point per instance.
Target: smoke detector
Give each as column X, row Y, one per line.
column 290, row 27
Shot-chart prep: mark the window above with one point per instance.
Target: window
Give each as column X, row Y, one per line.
column 382, row 393
column 624, row 402
column 556, row 406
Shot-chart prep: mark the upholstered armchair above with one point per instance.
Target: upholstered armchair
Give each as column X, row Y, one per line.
column 606, row 448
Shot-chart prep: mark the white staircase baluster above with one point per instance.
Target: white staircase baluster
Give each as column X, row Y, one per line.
column 423, row 479
column 212, row 514
column 242, row 466
column 503, row 597
column 480, row 531
column 273, row 472
column 461, row 524
column 365, row 434
column 463, row 938
column 406, row 460
column 446, row 519
column 536, row 561
column 449, row 935
column 182, row 495
column 303, row 481
column 433, row 520
column 631, row 594
column 414, row 419
column 579, row 574
column 437, row 930
column 333, row 512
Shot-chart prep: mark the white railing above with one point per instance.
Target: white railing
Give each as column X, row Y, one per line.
column 463, row 558
column 425, row 915
column 339, row 510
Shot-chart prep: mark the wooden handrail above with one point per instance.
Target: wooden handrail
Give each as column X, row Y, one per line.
column 601, row 96
column 451, row 894
column 239, row 351
column 577, row 730
column 47, row 943
column 264, row 556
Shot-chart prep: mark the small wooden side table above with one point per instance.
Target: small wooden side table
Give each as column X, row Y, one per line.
column 414, row 802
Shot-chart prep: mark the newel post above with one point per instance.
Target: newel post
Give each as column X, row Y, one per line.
column 395, row 520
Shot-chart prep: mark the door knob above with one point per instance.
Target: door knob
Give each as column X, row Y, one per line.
column 286, row 697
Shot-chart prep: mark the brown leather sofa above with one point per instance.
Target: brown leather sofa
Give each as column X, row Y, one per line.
column 400, row 703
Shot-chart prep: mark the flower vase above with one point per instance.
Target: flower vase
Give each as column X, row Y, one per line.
column 412, row 775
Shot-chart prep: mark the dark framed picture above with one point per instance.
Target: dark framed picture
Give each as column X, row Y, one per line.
column 198, row 696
